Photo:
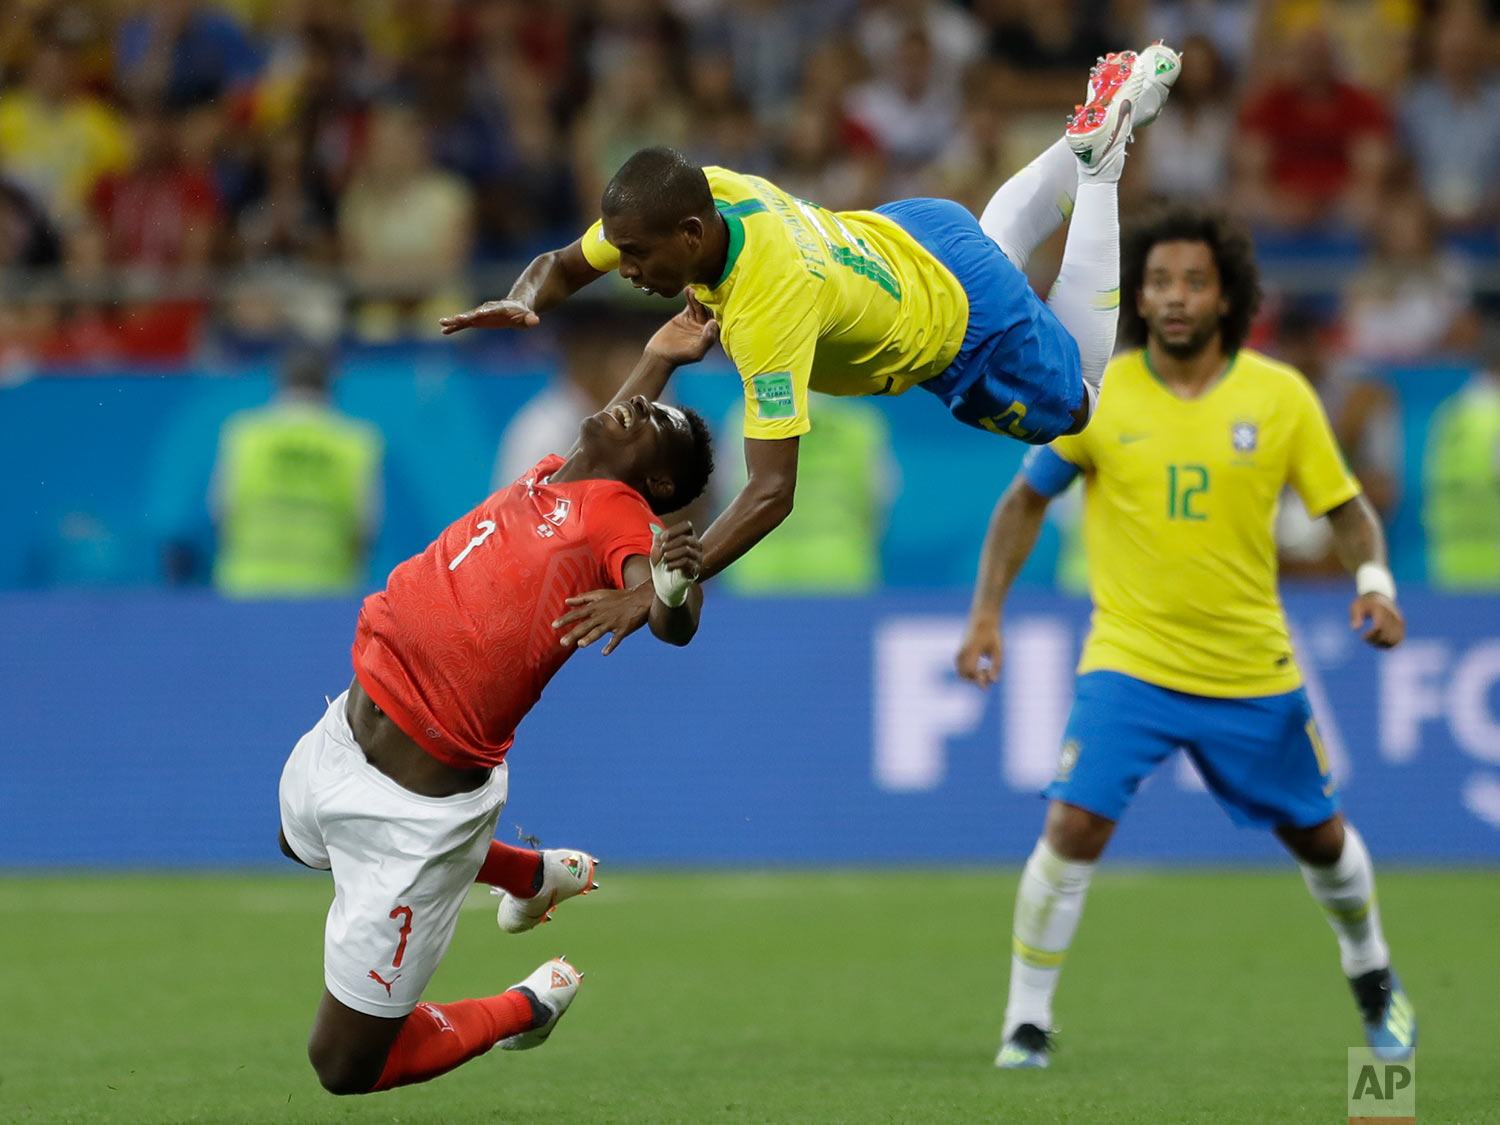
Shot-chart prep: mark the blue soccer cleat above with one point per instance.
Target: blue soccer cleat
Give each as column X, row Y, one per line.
column 1028, row 1048
column 1389, row 1017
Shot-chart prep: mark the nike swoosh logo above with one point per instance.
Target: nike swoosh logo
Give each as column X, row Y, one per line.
column 1126, row 108
column 1131, row 439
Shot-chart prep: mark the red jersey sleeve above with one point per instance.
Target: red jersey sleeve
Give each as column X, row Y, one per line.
column 619, row 525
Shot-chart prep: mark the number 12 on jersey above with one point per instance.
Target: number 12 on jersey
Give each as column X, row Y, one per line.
column 1184, row 485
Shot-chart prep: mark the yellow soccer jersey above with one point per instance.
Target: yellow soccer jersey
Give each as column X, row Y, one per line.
column 845, row 302
column 1179, row 504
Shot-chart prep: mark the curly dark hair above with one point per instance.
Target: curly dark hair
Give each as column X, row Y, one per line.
column 1233, row 253
column 692, row 465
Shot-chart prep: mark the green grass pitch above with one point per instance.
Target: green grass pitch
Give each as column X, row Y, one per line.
column 864, row 996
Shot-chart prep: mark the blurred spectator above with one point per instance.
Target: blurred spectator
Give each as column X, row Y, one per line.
column 289, row 219
column 637, row 103
column 1450, row 123
column 55, row 139
column 1186, row 149
column 28, row 242
column 1048, row 46
column 760, row 46
column 1366, row 422
column 830, row 161
column 1313, row 148
column 1461, row 477
column 847, row 476
column 911, row 109
column 405, row 230
column 1374, row 38
column 296, row 495
column 1227, row 25
column 1410, row 299
column 977, row 158
column 955, row 36
column 182, row 53
column 599, row 348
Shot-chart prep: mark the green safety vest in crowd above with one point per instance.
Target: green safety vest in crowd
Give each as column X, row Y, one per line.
column 296, row 488
column 830, row 544
column 1461, row 509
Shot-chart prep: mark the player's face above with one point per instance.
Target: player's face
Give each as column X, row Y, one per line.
column 637, row 439
column 1181, row 299
column 659, row 264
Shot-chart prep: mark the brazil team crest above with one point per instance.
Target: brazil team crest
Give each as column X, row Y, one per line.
column 1243, row 436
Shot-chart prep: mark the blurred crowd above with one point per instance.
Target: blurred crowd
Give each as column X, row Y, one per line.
column 170, row 170
column 185, row 180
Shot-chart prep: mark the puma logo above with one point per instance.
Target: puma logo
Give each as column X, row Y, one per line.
column 387, row 983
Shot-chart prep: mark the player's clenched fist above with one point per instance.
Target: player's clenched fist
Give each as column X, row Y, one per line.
column 491, row 314
column 676, row 562
column 980, row 655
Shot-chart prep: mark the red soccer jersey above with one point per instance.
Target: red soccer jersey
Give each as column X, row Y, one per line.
column 459, row 645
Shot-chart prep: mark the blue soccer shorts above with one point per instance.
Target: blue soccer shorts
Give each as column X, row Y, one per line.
column 1018, row 372
column 1261, row 757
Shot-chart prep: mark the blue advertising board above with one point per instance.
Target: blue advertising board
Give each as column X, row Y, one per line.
column 149, row 730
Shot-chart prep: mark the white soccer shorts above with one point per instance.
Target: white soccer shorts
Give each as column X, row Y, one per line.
column 402, row 863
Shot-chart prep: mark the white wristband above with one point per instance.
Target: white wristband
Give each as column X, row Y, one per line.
column 671, row 586
column 1375, row 578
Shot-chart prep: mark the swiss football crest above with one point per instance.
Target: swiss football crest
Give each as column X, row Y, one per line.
column 1243, row 436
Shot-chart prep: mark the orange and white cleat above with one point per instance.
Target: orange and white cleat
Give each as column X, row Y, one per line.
column 1125, row 90
column 550, row 989
column 565, row 874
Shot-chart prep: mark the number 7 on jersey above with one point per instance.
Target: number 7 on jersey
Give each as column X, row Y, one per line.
column 486, row 528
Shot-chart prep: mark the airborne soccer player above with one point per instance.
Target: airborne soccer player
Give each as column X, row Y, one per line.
column 1188, row 647
column 398, row 788
column 914, row 294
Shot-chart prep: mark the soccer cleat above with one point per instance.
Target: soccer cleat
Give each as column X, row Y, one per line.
column 1028, row 1048
column 564, row 874
column 551, row 988
column 1390, row 1019
column 1125, row 90
column 1158, row 67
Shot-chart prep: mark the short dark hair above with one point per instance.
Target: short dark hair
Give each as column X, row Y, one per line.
column 691, row 468
column 1234, row 257
column 661, row 187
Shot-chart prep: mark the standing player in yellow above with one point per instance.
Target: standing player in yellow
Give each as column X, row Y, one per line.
column 1182, row 468
column 914, row 293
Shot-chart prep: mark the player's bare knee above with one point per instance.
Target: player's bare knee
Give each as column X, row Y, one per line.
column 341, row 1071
column 1075, row 833
column 1320, row 845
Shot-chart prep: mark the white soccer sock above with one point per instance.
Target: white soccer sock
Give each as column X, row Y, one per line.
column 1049, row 904
column 1086, row 296
column 1032, row 204
column 1346, row 892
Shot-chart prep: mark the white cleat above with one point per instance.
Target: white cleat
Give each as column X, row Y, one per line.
column 1125, row 90
column 554, row 985
column 565, row 874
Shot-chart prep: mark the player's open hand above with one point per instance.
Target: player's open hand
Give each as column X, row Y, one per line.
column 599, row 613
column 1387, row 626
column 491, row 314
column 982, row 653
column 687, row 337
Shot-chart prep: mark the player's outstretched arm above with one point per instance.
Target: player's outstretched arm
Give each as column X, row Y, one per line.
column 685, row 339
column 551, row 279
column 1360, row 543
column 759, row 508
column 1014, row 526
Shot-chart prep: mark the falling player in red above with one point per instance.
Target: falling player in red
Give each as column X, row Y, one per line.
column 398, row 788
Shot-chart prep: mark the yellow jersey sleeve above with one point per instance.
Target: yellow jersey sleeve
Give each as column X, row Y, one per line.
column 774, row 358
column 1315, row 467
column 601, row 254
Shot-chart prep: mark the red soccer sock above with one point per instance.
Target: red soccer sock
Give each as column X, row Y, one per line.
column 438, row 1037
column 514, row 870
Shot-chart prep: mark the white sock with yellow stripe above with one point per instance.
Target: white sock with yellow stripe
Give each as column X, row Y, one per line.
column 1346, row 892
column 1086, row 296
column 1032, row 204
column 1048, row 906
